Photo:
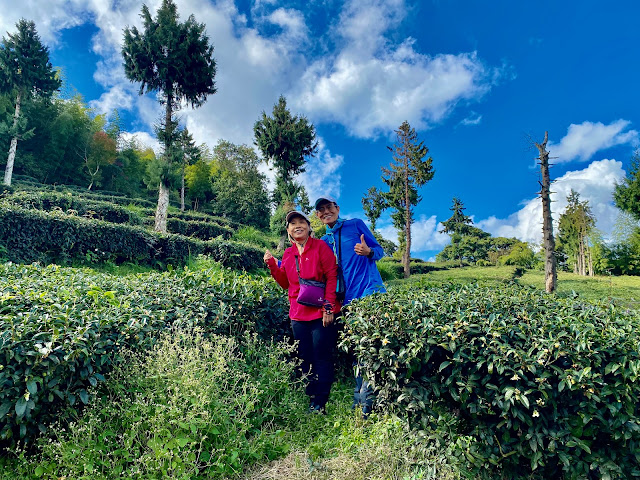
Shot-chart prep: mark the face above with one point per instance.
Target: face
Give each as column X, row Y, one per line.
column 328, row 213
column 299, row 229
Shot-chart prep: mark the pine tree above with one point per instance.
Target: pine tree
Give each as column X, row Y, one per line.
column 574, row 227
column 25, row 72
column 176, row 60
column 407, row 172
column 284, row 141
column 373, row 204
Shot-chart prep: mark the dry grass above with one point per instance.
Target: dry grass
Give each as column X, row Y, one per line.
column 369, row 464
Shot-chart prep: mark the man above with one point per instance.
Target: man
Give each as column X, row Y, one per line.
column 357, row 251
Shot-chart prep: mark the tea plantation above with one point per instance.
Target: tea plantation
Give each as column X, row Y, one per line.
column 186, row 372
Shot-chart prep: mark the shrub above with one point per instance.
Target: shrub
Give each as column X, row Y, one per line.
column 62, row 329
column 191, row 408
column 255, row 237
column 31, row 235
column 544, row 384
column 393, row 269
column 75, row 204
column 389, row 270
column 201, row 230
column 96, row 195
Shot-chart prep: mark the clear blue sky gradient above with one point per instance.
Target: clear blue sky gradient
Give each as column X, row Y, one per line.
column 547, row 65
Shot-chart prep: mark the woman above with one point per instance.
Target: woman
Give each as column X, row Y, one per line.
column 313, row 326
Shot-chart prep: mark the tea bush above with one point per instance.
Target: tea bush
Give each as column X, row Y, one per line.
column 117, row 198
column 62, row 329
column 198, row 229
column 32, row 235
column 67, row 202
column 545, row 384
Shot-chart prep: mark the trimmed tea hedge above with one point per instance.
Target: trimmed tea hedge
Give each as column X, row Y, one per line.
column 201, row 230
column 543, row 383
column 32, row 235
column 100, row 210
column 61, row 329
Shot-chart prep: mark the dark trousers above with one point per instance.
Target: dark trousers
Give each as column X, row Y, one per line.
column 362, row 393
column 316, row 345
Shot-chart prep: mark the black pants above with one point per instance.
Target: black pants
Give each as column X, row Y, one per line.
column 316, row 345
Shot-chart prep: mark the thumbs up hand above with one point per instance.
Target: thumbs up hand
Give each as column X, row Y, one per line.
column 362, row 248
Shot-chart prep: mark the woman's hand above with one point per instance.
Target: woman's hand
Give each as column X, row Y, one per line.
column 267, row 256
column 327, row 318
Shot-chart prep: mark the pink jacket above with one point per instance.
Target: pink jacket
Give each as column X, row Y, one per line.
column 317, row 262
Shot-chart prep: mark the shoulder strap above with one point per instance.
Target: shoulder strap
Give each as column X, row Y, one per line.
column 340, row 247
column 297, row 265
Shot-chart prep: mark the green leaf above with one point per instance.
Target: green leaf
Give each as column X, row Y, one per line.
column 508, row 393
column 444, row 365
column 21, row 407
column 32, row 387
column 39, row 471
column 183, row 441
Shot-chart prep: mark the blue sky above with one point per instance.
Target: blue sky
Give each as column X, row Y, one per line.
column 478, row 81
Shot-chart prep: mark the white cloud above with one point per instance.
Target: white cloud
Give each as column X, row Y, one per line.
column 322, row 175
column 291, row 21
column 144, row 140
column 594, row 183
column 425, row 234
column 583, row 140
column 50, row 17
column 473, row 119
column 370, row 85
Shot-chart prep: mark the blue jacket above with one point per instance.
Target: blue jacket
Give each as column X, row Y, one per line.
column 361, row 275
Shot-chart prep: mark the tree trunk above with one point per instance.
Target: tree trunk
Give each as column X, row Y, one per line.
column 182, row 190
column 550, row 274
column 163, row 189
column 8, row 171
column 581, row 265
column 407, row 221
column 163, row 206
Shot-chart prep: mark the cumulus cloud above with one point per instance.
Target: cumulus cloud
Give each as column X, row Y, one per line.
column 425, row 235
column 143, row 140
column 322, row 175
column 50, row 17
column 583, row 140
column 370, row 85
column 594, row 183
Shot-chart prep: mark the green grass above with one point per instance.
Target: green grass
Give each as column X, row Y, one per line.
column 214, row 408
column 621, row 289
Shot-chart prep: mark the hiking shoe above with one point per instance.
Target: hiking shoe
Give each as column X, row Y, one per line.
column 317, row 409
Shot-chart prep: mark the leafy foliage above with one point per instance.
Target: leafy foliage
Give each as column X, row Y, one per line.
column 63, row 329
column 285, row 140
column 176, row 60
column 544, row 384
column 239, row 189
column 32, row 235
column 407, row 172
column 574, row 228
column 204, row 407
column 627, row 194
column 74, row 204
column 373, row 204
column 25, row 72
